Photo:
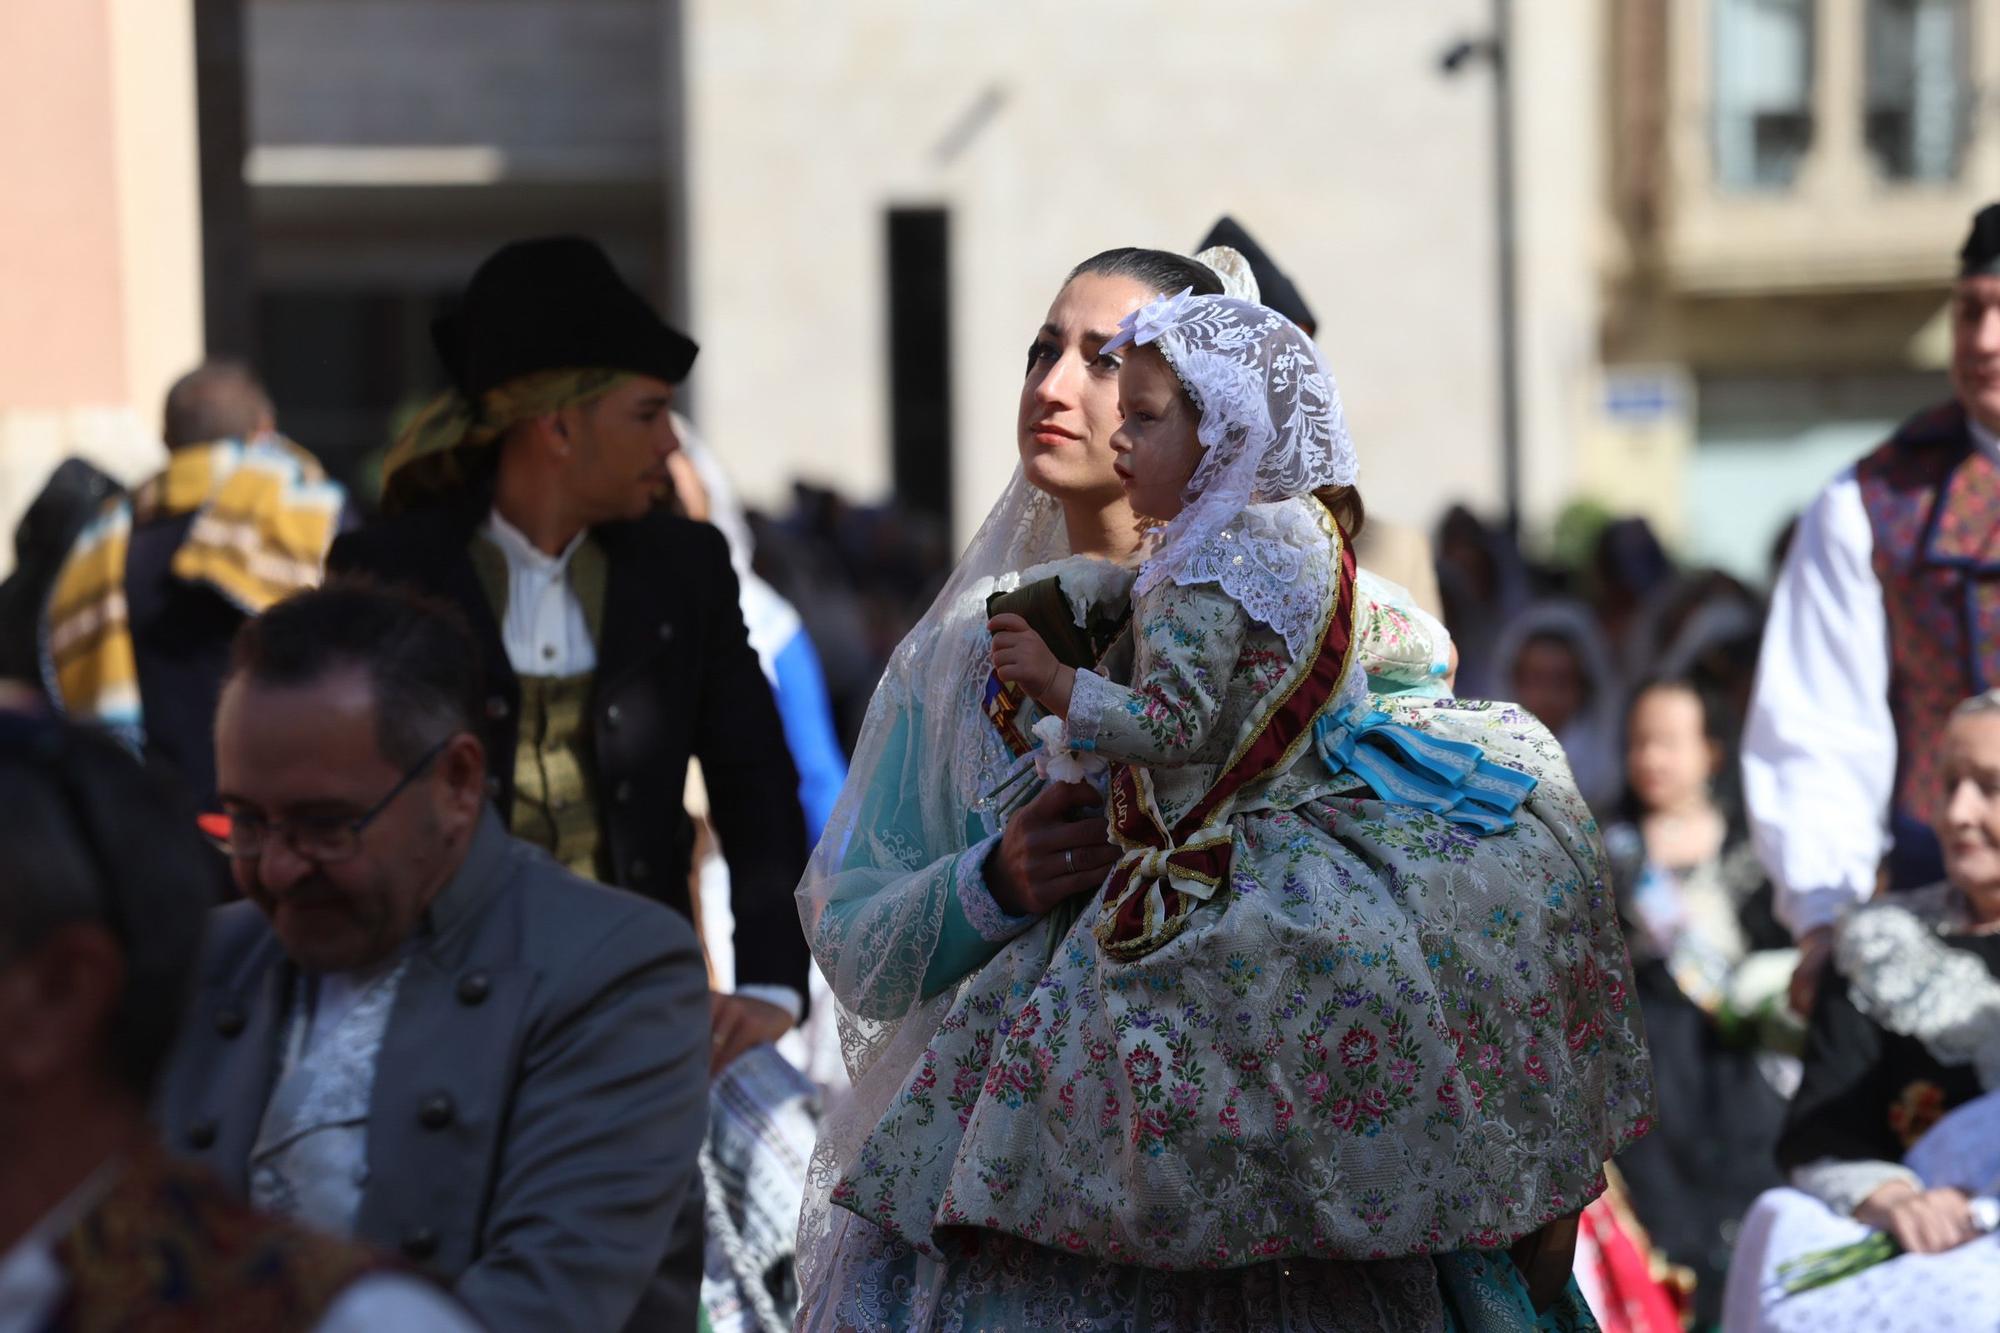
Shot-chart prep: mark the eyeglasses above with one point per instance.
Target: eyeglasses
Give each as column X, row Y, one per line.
column 323, row 839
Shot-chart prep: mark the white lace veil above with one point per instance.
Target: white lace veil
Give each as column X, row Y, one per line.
column 926, row 756
column 1271, row 428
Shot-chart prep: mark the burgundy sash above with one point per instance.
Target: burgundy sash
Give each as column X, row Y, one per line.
column 1143, row 910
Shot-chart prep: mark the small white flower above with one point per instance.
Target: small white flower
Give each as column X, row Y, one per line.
column 1151, row 320
column 1055, row 760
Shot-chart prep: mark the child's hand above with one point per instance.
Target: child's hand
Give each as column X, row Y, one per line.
column 1021, row 657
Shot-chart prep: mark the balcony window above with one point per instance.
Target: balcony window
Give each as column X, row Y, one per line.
column 1763, row 91
column 1918, row 101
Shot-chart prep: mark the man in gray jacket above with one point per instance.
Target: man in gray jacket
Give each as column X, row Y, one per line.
column 418, row 1030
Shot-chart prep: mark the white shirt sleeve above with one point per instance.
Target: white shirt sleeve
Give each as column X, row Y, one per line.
column 1819, row 745
column 394, row 1303
column 784, row 997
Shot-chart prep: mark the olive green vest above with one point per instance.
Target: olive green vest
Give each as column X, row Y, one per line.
column 555, row 801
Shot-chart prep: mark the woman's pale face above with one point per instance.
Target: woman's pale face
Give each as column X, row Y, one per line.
column 1157, row 444
column 1069, row 401
column 1971, row 832
column 1669, row 758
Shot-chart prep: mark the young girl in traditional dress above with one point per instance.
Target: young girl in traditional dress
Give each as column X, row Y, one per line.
column 1355, row 988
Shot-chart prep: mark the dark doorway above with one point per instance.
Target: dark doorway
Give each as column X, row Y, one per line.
column 222, row 131
column 920, row 359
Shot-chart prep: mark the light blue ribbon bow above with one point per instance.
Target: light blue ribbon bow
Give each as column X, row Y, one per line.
column 1407, row 767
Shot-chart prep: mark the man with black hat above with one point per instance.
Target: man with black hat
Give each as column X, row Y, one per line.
column 613, row 646
column 1886, row 615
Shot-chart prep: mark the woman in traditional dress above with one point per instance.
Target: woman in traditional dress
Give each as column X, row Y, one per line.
column 936, row 923
column 1905, row 1030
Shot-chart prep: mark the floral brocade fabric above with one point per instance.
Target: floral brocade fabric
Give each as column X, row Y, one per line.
column 1384, row 1036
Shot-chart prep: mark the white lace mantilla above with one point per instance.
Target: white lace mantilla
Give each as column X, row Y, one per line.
column 1272, row 559
column 1902, row 975
column 1271, row 429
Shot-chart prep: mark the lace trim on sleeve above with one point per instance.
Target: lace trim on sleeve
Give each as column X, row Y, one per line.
column 1844, row 1186
column 1091, row 698
column 993, row 922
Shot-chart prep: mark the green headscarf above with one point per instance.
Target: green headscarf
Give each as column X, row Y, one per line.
column 450, row 440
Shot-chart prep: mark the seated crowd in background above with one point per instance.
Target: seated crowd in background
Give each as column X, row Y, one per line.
column 1896, row 1126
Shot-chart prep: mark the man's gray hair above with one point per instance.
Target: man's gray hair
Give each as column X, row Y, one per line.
column 93, row 838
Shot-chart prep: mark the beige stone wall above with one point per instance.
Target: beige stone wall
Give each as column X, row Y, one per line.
column 1324, row 125
column 100, row 233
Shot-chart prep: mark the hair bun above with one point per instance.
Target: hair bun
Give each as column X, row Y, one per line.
column 1233, row 267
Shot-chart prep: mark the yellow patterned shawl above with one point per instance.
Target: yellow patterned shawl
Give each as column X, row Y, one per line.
column 265, row 514
column 440, row 449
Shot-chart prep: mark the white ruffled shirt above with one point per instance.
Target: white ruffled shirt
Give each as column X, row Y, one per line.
column 1819, row 745
column 547, row 634
column 544, row 629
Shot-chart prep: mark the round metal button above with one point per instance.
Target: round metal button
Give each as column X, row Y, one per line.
column 622, row 793
column 436, row 1112
column 420, row 1243
column 201, row 1136
column 474, row 987
column 666, row 631
column 638, row 870
column 612, row 716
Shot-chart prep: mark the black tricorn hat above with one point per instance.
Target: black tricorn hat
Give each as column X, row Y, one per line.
column 554, row 303
column 1980, row 255
column 1274, row 288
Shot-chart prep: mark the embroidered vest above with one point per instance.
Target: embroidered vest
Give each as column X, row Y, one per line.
column 310, row 1160
column 170, row 1250
column 1933, row 503
column 554, row 760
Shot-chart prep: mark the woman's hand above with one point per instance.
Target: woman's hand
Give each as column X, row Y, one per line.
column 1922, row 1221
column 1021, row 657
column 1050, row 853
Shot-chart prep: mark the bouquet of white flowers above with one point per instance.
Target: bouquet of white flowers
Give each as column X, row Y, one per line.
column 1054, row 759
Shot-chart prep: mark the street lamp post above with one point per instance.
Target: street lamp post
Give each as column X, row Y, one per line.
column 1496, row 49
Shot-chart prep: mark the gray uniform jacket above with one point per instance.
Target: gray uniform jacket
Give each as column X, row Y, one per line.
column 539, row 1100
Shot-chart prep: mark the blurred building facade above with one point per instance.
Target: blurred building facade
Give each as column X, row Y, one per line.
column 862, row 211
column 1735, row 218
column 100, row 235
column 1789, row 184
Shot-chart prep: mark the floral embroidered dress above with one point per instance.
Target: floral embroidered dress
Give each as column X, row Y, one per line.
column 960, row 952
column 971, row 1033
column 1379, row 1034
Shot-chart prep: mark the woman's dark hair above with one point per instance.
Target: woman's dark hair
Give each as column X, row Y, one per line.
column 418, row 655
column 1162, row 270
column 1714, row 715
column 1716, row 726
column 92, row 837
